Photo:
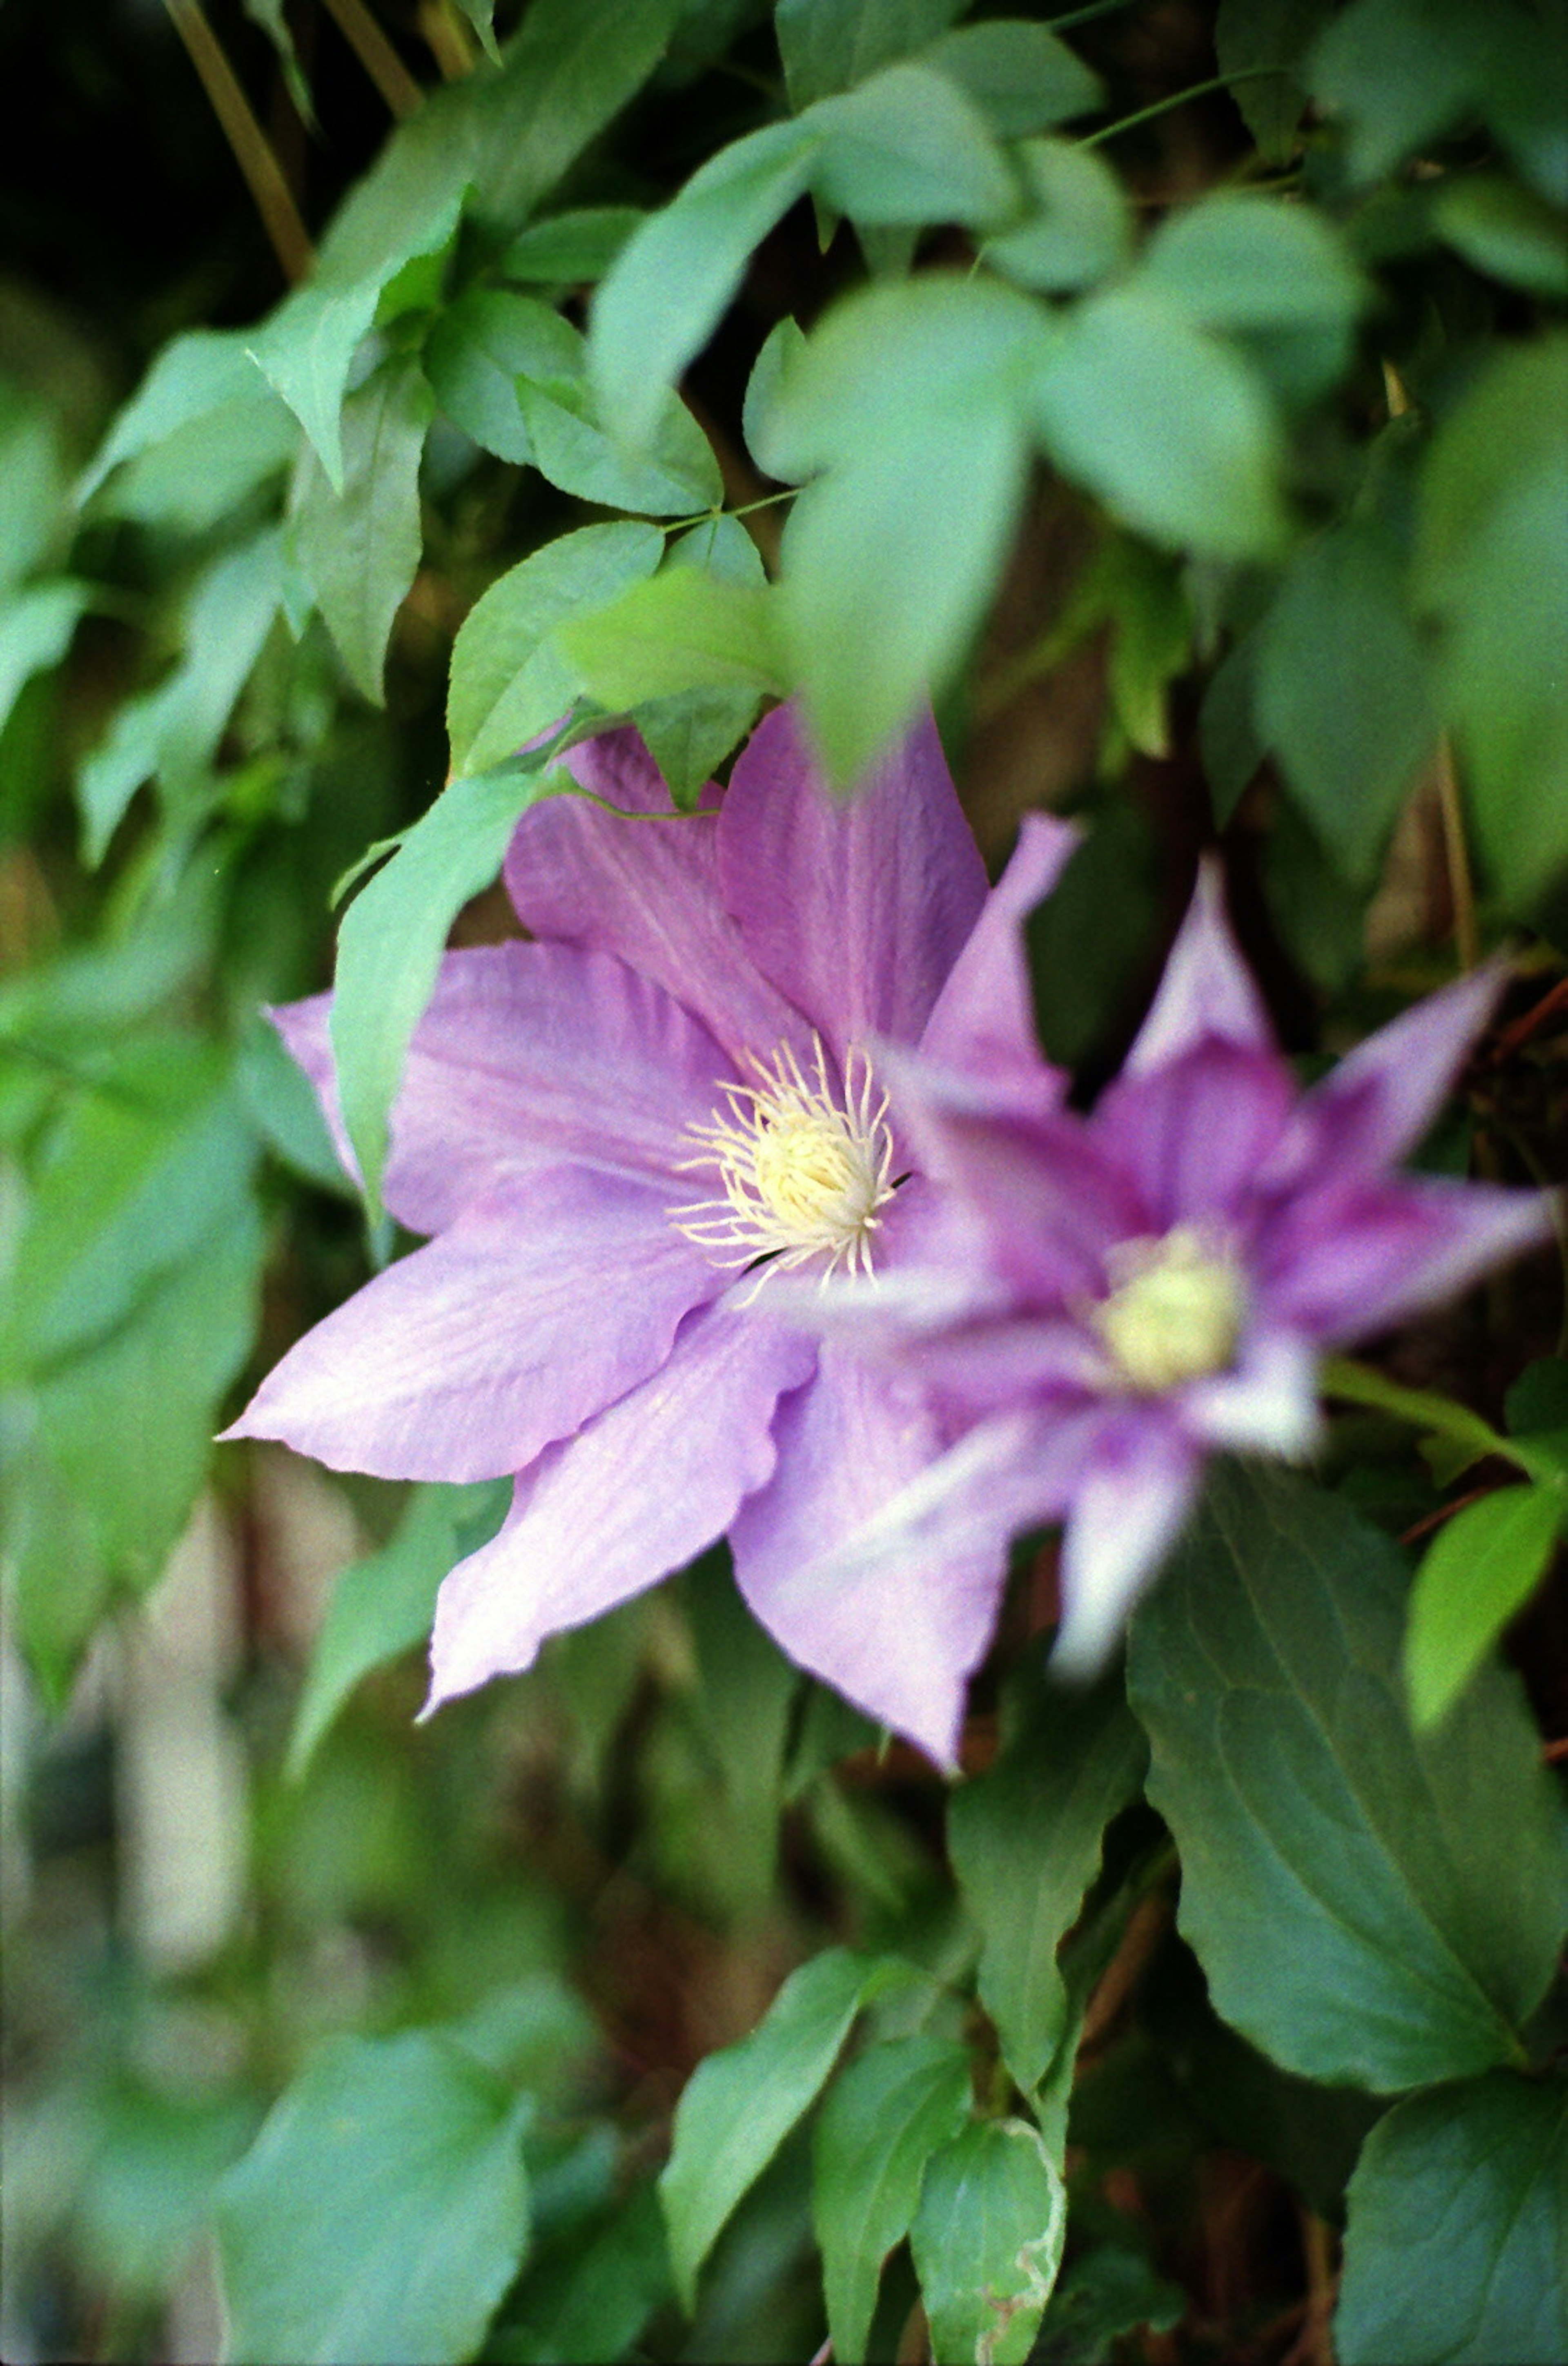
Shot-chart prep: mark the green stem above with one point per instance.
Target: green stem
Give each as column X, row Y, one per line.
column 1178, row 98
column 1084, row 16
column 1354, row 1383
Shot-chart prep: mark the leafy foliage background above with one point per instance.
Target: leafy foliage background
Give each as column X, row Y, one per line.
column 1182, row 394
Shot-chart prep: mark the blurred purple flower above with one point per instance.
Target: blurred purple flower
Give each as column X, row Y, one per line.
column 605, row 1129
column 1120, row 1295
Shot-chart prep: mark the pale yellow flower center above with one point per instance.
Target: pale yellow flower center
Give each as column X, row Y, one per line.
column 802, row 1169
column 1175, row 1309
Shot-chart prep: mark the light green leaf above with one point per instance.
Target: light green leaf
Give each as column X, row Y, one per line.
column 829, row 45
column 885, row 2117
column 1169, row 426
column 172, row 733
column 566, row 71
column 1344, row 694
column 33, row 494
column 147, row 1162
column 202, row 396
column 683, row 629
column 988, row 2242
column 382, row 2210
column 1020, row 76
column 738, row 2105
column 676, row 474
column 391, row 943
column 480, row 348
column 1399, row 72
column 910, row 146
column 360, row 548
column 383, row 1604
column 1078, row 229
column 1233, row 261
column 36, row 627
column 782, row 348
column 1506, row 231
column 1482, row 1566
column 1025, row 1841
column 1457, row 2241
column 570, row 247
column 509, row 679
column 1341, row 1882
column 689, row 733
column 666, row 290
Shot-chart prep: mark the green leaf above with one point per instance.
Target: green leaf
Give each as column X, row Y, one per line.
column 1020, row 76
column 360, row 548
column 1237, row 262
column 889, row 560
column 570, row 247
column 568, row 71
column 1341, row 1881
column 1090, row 942
column 1399, row 72
column 829, row 45
column 910, row 146
column 782, row 350
column 1506, row 232
column 1457, row 2241
column 36, row 627
column 481, row 14
column 1078, row 227
column 128, row 1422
column 1106, row 2292
column 146, row 1164
column 675, row 472
column 1482, row 1566
column 509, row 679
column 738, row 2105
column 886, row 2116
column 383, row 1604
column 682, row 629
column 1344, row 693
column 667, row 288
column 33, row 493
column 172, row 733
column 1228, row 731
column 690, row 733
column 1252, row 34
column 1166, row 424
column 201, row 432
column 1537, row 1408
column 1025, row 1841
column 394, row 934
column 747, row 1690
column 592, row 2300
column 382, row 2210
column 988, row 2243
column 480, row 348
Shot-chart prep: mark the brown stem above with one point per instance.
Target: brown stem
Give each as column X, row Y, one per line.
column 264, row 175
column 1462, row 887
column 376, row 55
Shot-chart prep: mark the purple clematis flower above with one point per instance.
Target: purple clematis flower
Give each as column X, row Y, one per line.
column 618, row 1135
column 1110, row 1299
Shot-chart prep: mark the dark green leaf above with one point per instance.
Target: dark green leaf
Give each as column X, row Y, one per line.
column 1341, row 1882
column 570, row 247
column 33, row 493
column 909, row 146
column 1506, row 232
column 886, row 2116
column 570, row 67
column 1252, row 34
column 509, row 679
column 1020, row 77
column 481, row 14
column 1399, row 72
column 1090, row 942
column 1482, row 1566
column 1078, row 229
column 1457, row 2245
column 988, row 2243
column 667, row 288
column 1343, row 693
column 1169, row 426
column 1537, row 1408
column 747, row 1690
column 1024, row 1840
column 391, row 943
column 590, row 2302
column 827, row 45
column 1106, row 2294
column 383, row 1605
column 360, row 547
column 740, row 2105
column 480, row 348
column 380, row 2213
column 1228, row 728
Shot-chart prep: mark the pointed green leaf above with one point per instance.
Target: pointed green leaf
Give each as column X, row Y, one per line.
column 570, row 247
column 1020, row 76
column 360, row 548
column 829, row 45
column 36, row 627
column 988, row 2243
column 1077, row 227
column 1341, row 1881
column 1482, row 1566
column 910, row 146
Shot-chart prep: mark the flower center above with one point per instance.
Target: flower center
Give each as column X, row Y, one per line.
column 1175, row 1311
column 803, row 1169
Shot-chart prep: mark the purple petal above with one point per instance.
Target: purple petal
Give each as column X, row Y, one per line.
column 1378, row 1102
column 1267, row 1404
column 1342, row 1263
column 1193, row 1130
column 877, row 1566
column 531, row 1314
column 303, row 1027
column 1127, row 1509
column 647, row 890
column 984, row 1018
column 634, row 1495
column 527, row 1056
column 855, row 908
column 1207, row 989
